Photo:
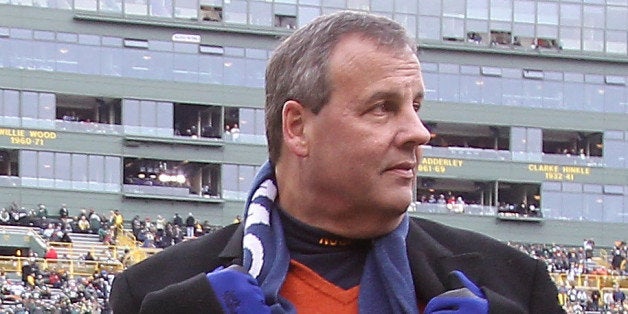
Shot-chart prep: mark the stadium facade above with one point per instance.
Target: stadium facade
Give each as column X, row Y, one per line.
column 156, row 107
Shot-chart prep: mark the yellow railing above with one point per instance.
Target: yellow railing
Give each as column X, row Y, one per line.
column 598, row 282
column 73, row 267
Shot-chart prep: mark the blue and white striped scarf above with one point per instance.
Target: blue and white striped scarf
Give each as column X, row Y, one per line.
column 386, row 285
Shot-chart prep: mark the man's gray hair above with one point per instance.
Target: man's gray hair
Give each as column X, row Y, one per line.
column 299, row 68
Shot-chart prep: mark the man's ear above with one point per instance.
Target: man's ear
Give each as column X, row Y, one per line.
column 293, row 127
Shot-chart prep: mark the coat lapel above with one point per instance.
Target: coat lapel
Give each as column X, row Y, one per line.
column 431, row 264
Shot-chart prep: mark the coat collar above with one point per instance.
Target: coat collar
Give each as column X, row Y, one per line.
column 430, row 262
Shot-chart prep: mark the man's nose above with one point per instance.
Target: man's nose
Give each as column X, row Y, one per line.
column 413, row 132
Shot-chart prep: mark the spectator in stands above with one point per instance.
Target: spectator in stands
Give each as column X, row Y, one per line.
column 619, row 296
column 329, row 207
column 94, row 221
column 177, row 220
column 63, row 212
column 51, row 254
column 83, row 224
column 136, row 226
column 89, row 256
column 189, row 225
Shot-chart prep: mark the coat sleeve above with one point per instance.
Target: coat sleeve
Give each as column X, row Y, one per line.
column 543, row 296
column 193, row 295
column 544, row 292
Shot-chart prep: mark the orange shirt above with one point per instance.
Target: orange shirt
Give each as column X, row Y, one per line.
column 311, row 293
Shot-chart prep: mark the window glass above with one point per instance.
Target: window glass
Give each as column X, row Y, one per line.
column 260, row 13
column 532, row 91
column 451, row 93
column 87, row 5
column 551, row 202
column 491, row 90
column 593, row 208
column 518, row 139
column 613, row 99
column 534, row 140
column 426, row 7
column 47, row 106
column 235, row 12
column 547, row 13
column 112, row 170
column 512, row 92
column 11, row 103
column 616, row 42
column 570, row 14
column 136, row 7
column 28, row 164
column 135, row 64
column 130, row 112
column 165, row 115
column 546, row 31
column 87, row 64
column 478, row 10
column 570, row 38
column 211, row 69
column 260, row 128
column 111, row 59
column 429, row 27
column 255, row 72
column 593, row 40
column 247, row 121
column 67, row 58
column 431, row 86
column 574, row 96
column 229, row 180
column 617, row 18
column 234, row 71
column 334, row 4
column 30, row 103
column 470, row 90
column 62, row 166
column 501, row 10
column 593, row 16
column 307, row 14
column 148, row 114
column 245, row 179
column 96, row 166
column 613, row 208
column 187, row 9
column 160, row 65
column 552, row 94
column 614, row 152
column 160, row 8
column 79, row 169
column 185, row 67
column 594, row 97
column 453, row 8
column 453, row 29
column 362, row 5
column 405, row 6
column 111, row 6
column 409, row 23
column 62, row 172
column 572, row 203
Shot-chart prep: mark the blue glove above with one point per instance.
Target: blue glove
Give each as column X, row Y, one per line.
column 237, row 291
column 467, row 300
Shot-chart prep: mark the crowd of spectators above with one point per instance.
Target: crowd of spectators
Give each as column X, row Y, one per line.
column 574, row 262
column 54, row 291
column 89, row 294
column 162, row 233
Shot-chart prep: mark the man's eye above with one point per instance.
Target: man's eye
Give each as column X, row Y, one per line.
column 416, row 106
column 381, row 107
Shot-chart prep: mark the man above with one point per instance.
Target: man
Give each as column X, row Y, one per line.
column 325, row 227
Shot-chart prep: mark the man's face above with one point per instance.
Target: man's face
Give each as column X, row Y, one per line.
column 365, row 141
